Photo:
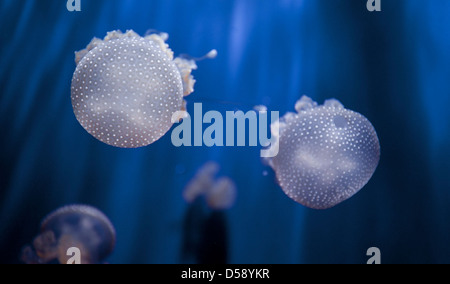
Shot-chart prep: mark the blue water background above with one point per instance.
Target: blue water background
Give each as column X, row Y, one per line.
column 392, row 66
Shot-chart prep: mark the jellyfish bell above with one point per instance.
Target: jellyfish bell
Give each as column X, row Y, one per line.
column 326, row 153
column 84, row 227
column 126, row 88
column 219, row 193
column 77, row 226
column 222, row 194
column 203, row 181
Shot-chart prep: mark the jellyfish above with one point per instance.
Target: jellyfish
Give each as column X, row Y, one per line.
column 126, row 88
column 79, row 227
column 205, row 230
column 326, row 153
column 219, row 194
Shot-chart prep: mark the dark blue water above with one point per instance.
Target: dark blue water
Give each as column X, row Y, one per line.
column 392, row 66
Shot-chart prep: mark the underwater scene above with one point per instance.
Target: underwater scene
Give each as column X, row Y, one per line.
column 224, row 132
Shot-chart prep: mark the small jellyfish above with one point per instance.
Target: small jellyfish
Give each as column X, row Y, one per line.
column 81, row 227
column 126, row 88
column 205, row 230
column 219, row 194
column 326, row 153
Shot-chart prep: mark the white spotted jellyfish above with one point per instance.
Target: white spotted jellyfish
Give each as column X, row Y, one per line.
column 326, row 153
column 76, row 226
column 126, row 88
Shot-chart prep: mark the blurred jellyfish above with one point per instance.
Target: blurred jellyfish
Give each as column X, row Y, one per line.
column 126, row 88
column 205, row 237
column 326, row 153
column 77, row 226
column 219, row 194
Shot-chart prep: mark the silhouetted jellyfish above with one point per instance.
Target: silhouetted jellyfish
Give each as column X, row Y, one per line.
column 205, row 238
column 75, row 226
column 326, row 153
column 126, row 88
